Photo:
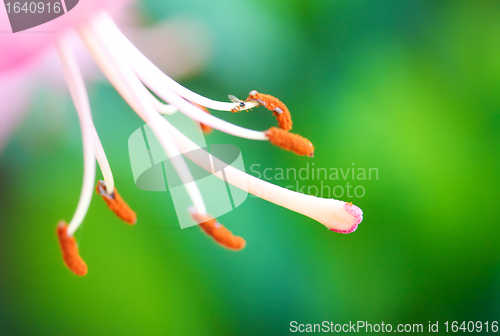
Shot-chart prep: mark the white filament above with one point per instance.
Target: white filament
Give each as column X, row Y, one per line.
column 79, row 95
column 119, row 73
column 169, row 90
column 329, row 212
column 139, row 61
column 103, row 162
column 161, row 108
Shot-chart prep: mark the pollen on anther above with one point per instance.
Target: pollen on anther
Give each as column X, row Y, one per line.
column 218, row 232
column 274, row 105
column 69, row 250
column 290, row 141
column 116, row 204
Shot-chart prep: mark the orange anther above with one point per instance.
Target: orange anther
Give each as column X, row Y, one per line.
column 116, row 204
column 290, row 141
column 219, row 233
column 69, row 250
column 276, row 106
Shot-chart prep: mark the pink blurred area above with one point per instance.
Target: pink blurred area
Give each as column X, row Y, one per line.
column 25, row 58
column 16, row 50
column 180, row 47
column 15, row 91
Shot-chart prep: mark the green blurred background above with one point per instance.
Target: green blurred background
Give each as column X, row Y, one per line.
column 411, row 88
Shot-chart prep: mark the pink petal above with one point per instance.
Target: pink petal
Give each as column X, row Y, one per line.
column 20, row 48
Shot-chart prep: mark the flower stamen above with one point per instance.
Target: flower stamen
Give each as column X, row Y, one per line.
column 290, row 141
column 276, row 106
column 218, row 232
column 69, row 249
column 146, row 70
column 331, row 213
column 120, row 74
column 169, row 90
column 116, row 204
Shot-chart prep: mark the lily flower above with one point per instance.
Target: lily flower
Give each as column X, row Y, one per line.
column 134, row 76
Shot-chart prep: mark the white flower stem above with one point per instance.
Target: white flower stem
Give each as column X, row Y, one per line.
column 80, row 99
column 169, row 90
column 106, row 53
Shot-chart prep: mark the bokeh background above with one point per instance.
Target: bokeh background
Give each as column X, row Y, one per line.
column 411, row 88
